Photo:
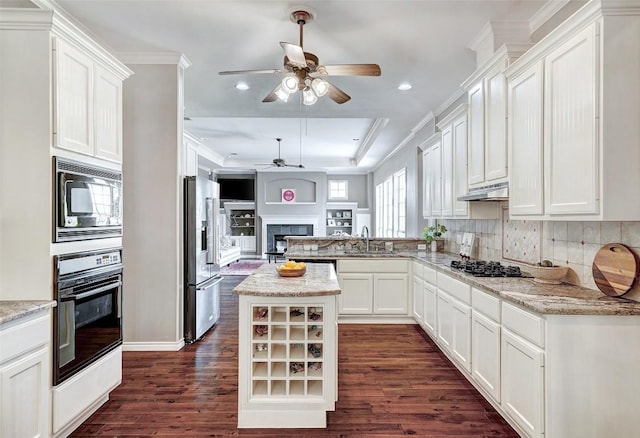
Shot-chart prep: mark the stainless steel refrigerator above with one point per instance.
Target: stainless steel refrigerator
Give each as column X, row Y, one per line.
column 201, row 269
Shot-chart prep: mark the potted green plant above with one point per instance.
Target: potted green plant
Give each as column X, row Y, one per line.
column 432, row 235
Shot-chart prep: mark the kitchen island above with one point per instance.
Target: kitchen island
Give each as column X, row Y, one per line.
column 288, row 348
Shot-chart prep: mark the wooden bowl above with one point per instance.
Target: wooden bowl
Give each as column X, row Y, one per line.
column 547, row 275
column 291, row 272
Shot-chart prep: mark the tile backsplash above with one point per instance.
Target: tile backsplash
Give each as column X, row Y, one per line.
column 572, row 244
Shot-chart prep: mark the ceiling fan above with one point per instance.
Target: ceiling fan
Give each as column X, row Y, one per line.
column 280, row 162
column 304, row 72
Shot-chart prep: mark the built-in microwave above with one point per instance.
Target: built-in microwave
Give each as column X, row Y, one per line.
column 87, row 201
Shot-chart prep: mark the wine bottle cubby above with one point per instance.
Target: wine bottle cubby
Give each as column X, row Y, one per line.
column 287, row 350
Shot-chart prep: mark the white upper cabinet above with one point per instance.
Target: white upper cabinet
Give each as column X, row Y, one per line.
column 459, row 128
column 426, row 183
column 476, row 134
column 570, row 118
column 525, row 141
column 88, row 104
column 573, row 123
column 447, row 171
column 74, row 99
column 108, row 115
column 495, row 120
column 436, row 179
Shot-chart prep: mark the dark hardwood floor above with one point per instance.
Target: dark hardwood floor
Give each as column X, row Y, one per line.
column 393, row 381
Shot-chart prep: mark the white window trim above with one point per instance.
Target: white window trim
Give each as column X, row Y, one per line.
column 346, row 189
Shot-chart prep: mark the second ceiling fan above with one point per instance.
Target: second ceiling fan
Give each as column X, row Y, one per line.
column 305, row 74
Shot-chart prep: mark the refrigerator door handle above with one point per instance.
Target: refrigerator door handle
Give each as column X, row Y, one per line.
column 210, row 282
column 203, row 238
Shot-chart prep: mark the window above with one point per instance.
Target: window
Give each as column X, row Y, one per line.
column 379, row 211
column 400, row 203
column 338, row 189
column 391, row 206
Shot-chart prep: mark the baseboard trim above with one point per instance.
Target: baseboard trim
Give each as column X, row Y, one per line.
column 153, row 346
column 375, row 320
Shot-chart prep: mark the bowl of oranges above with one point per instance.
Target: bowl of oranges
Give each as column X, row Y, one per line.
column 292, row 269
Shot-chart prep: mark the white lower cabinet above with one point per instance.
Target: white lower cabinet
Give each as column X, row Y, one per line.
column 418, row 300
column 485, row 356
column 444, row 311
column 461, row 333
column 390, row 294
column 25, row 377
column 357, row 293
column 75, row 399
column 374, row 287
column 522, row 377
column 430, row 309
column 245, row 243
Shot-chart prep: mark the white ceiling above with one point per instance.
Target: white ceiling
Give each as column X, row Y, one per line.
column 424, row 42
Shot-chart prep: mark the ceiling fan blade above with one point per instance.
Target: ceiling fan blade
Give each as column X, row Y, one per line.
column 349, row 70
column 337, row 95
column 271, row 97
column 295, row 54
column 242, row 72
column 299, row 166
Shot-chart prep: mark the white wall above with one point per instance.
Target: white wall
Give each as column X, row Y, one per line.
column 152, row 180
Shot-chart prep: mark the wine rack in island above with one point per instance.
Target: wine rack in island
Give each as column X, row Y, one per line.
column 287, row 351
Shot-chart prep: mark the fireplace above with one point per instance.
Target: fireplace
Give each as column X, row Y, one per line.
column 276, row 228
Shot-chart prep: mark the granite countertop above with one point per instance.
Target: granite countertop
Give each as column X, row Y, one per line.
column 11, row 310
column 320, row 279
column 548, row 299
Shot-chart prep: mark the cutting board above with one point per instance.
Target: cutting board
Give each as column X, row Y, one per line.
column 615, row 269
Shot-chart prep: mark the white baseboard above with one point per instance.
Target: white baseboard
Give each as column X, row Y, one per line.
column 153, row 346
column 370, row 319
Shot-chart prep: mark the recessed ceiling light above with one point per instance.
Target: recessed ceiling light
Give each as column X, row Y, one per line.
column 404, row 86
column 242, row 86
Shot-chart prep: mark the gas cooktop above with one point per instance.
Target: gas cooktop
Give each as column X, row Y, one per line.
column 481, row 268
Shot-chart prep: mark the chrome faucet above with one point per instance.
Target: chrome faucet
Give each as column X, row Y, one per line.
column 366, row 238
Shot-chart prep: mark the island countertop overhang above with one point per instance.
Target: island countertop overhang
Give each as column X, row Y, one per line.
column 320, row 279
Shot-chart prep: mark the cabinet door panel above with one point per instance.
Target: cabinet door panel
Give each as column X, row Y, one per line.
column 447, row 172
column 436, row 179
column 461, row 333
column 73, row 99
column 390, row 294
column 426, row 184
column 570, row 118
column 496, row 126
column 108, row 115
column 522, row 383
column 357, row 294
column 418, row 300
column 476, row 134
column 460, row 208
column 485, row 354
column 430, row 309
column 525, row 142
column 445, row 319
column 25, row 396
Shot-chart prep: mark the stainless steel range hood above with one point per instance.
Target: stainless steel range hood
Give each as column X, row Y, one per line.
column 495, row 192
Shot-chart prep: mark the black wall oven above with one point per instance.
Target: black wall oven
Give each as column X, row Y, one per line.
column 87, row 201
column 87, row 321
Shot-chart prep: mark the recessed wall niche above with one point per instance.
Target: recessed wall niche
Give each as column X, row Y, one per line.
column 305, row 190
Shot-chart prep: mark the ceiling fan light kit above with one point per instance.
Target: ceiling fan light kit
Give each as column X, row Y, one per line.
column 303, row 69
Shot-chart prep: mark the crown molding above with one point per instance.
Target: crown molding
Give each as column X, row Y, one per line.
column 169, row 58
column 417, row 128
column 450, row 101
column 454, row 114
column 544, row 14
column 374, row 130
column 25, row 19
column 435, row 138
